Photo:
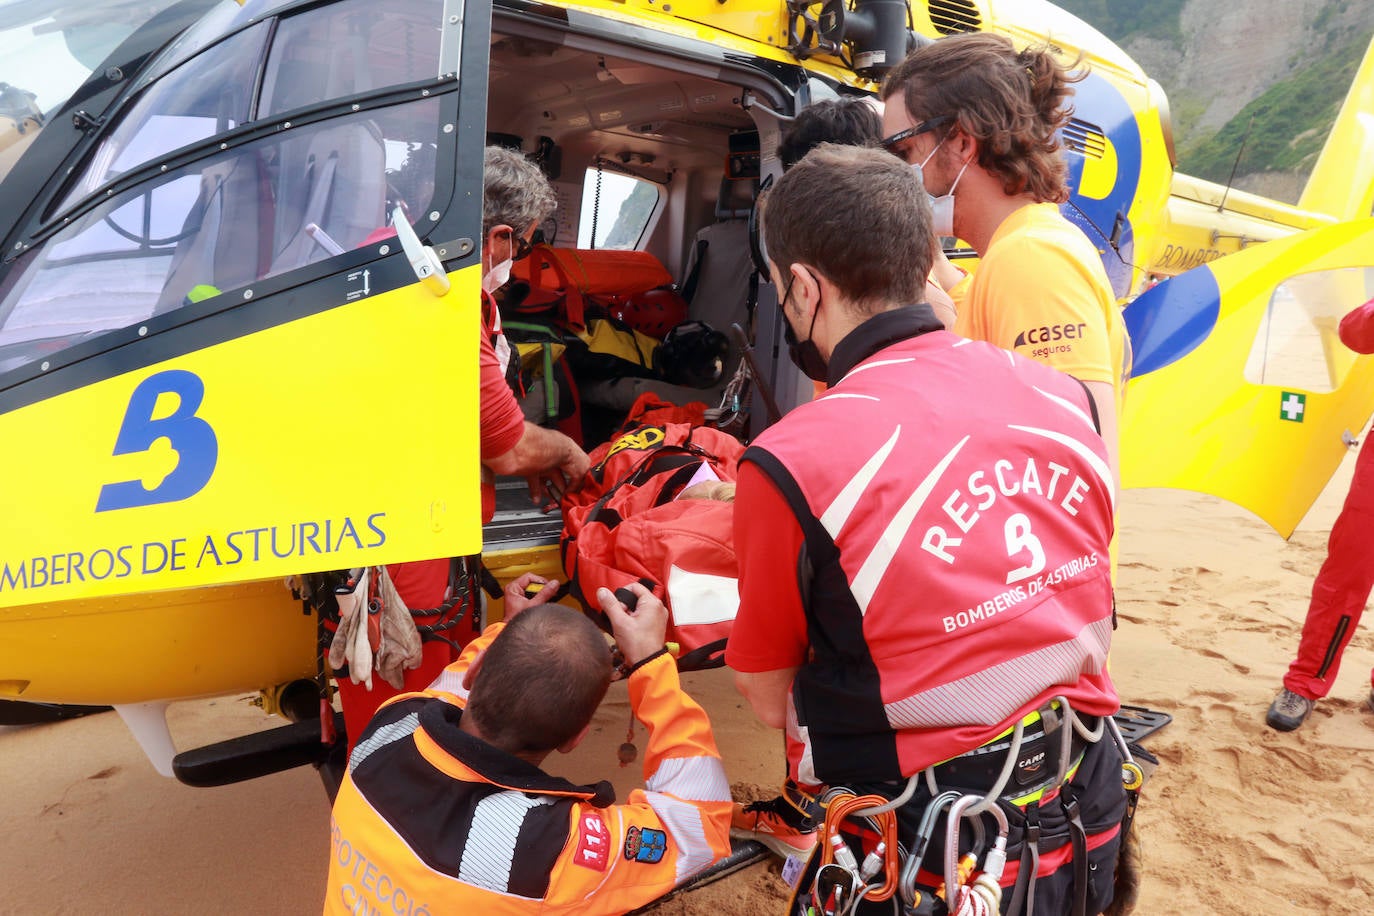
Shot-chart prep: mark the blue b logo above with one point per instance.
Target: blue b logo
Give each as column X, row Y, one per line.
column 189, row 436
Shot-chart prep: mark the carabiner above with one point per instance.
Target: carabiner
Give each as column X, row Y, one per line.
column 906, row 883
column 996, row 858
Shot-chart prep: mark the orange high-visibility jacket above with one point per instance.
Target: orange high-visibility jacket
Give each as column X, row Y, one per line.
column 432, row 820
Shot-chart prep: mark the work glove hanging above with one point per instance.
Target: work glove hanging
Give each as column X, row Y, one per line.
column 351, row 645
column 401, row 648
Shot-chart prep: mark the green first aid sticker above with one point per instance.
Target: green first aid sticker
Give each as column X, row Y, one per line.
column 1292, row 406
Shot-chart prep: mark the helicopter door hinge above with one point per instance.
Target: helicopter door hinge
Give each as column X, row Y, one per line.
column 83, row 120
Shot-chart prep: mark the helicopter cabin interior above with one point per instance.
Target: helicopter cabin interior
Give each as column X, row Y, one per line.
column 644, row 154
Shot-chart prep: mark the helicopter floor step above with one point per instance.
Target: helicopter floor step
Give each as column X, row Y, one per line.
column 251, row 756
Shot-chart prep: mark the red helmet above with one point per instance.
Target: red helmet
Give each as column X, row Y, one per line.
column 654, row 312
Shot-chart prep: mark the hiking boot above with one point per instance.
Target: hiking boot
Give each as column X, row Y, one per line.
column 1288, row 711
column 1370, row 700
column 776, row 823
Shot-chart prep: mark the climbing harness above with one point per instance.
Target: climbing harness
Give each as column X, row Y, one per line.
column 969, row 877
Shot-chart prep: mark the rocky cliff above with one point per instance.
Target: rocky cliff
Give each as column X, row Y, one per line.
column 1277, row 69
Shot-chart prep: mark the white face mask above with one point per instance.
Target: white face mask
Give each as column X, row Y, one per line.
column 941, row 208
column 496, row 277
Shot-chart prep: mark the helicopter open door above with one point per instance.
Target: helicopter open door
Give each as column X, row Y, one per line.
column 1241, row 387
column 217, row 366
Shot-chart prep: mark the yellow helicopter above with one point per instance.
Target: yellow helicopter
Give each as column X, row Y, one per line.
column 239, row 285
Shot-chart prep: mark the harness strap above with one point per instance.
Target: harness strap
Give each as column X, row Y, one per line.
column 1024, row 891
column 1079, row 836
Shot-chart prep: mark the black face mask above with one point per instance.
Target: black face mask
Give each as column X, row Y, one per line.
column 803, row 353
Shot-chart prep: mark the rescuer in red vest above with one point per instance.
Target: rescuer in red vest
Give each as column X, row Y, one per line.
column 925, row 591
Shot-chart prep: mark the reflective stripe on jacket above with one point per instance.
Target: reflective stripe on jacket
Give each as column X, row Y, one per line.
column 433, row 820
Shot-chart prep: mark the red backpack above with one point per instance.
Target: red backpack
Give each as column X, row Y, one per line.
column 626, row 524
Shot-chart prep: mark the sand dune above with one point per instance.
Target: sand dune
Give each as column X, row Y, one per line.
column 1237, row 820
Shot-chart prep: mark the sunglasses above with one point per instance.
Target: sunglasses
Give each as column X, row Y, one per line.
column 523, row 247
column 889, row 143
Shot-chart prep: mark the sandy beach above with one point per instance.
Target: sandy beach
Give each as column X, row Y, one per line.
column 1238, row 819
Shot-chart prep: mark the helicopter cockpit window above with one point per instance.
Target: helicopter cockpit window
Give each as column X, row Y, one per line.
column 48, row 48
column 251, row 212
column 1297, row 344
column 210, row 94
column 349, row 48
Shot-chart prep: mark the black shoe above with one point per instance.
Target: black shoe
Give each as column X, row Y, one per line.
column 1289, row 710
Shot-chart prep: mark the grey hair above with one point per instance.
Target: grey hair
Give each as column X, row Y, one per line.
column 514, row 192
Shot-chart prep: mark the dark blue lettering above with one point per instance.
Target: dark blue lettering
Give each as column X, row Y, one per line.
column 123, row 554
column 257, row 534
column 11, row 580
column 238, row 554
column 38, row 571
column 107, row 556
column 208, row 547
column 178, row 553
column 162, row 563
column 310, row 538
column 348, row 531
column 290, row 548
column 372, row 523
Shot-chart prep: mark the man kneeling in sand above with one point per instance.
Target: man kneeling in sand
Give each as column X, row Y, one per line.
column 445, row 808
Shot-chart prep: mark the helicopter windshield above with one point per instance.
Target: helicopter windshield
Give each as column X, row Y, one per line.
column 257, row 206
column 48, row 48
column 259, row 210
column 340, row 51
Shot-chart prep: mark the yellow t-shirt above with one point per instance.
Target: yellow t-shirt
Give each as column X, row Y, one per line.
column 1041, row 290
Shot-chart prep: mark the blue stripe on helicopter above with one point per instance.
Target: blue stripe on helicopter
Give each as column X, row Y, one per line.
column 1171, row 320
column 1096, row 101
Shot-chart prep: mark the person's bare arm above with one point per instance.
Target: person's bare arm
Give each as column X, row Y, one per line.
column 767, row 692
column 941, row 304
column 543, row 452
column 943, row 272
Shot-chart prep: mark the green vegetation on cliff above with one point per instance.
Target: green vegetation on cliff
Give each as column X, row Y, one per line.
column 1290, row 121
column 1122, row 20
column 1284, row 128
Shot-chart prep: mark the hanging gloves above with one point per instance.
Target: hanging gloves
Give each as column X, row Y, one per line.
column 400, row 649
column 351, row 644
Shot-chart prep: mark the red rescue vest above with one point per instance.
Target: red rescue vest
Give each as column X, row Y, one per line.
column 958, row 553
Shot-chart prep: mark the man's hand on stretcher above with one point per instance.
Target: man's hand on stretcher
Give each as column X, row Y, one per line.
column 547, row 487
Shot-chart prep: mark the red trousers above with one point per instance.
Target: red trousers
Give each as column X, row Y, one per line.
column 421, row 584
column 1341, row 589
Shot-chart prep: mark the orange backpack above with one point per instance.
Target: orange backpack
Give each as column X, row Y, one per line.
column 565, row 278
column 627, row 524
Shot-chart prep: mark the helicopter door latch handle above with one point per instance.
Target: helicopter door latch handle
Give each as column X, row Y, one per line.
column 429, row 270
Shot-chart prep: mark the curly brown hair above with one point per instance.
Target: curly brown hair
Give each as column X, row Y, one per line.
column 1012, row 102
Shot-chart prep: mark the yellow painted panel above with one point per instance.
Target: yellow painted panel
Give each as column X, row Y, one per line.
column 168, row 645
column 1199, row 424
column 345, row 438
